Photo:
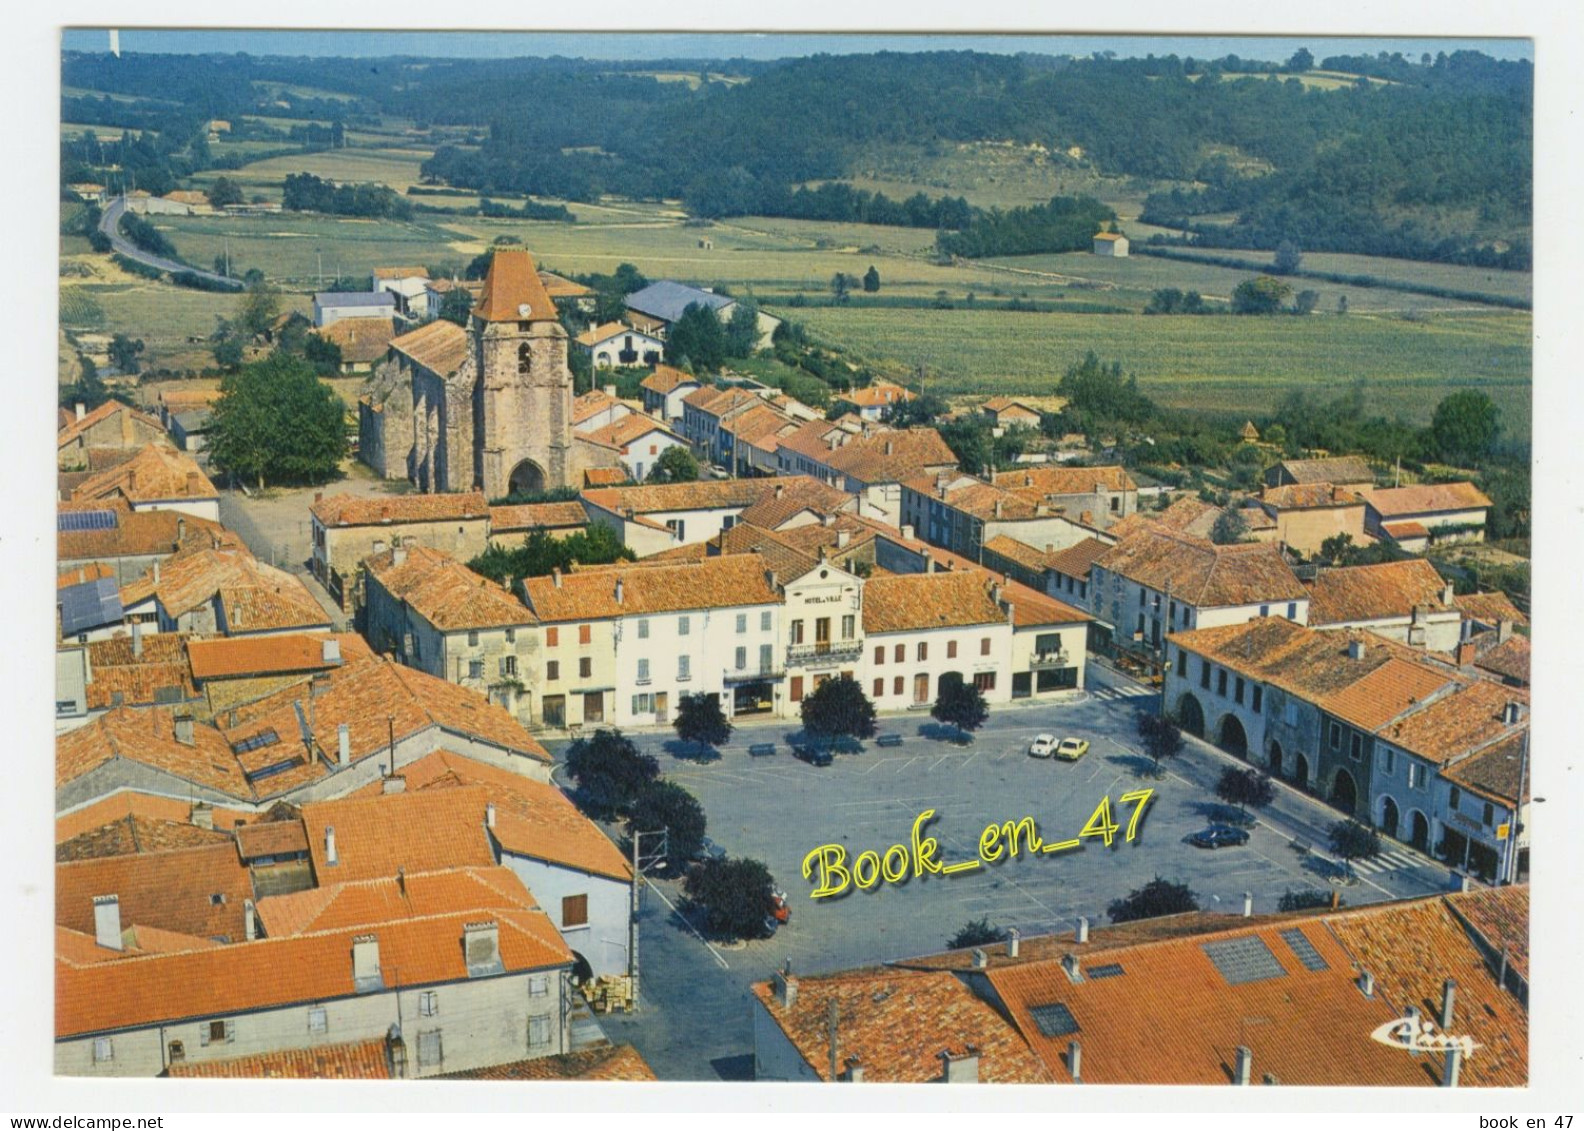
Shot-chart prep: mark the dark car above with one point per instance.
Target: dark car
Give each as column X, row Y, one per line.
column 814, row 755
column 762, row 749
column 1219, row 836
column 889, row 740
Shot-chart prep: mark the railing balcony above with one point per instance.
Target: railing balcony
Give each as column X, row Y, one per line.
column 1051, row 660
column 824, row 650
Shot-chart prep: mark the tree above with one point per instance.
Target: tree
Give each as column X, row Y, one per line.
column 227, row 349
column 610, row 772
column 1336, row 550
column 1230, row 527
column 323, row 354
column 976, row 932
column 700, row 720
column 734, row 895
column 676, row 465
column 275, row 420
column 1305, row 302
column 124, row 353
column 838, row 707
column 697, row 336
column 1465, row 427
column 959, row 704
column 839, row 286
column 1162, row 738
column 1245, row 787
column 258, row 308
column 1263, row 295
column 540, row 553
column 1305, row 899
column 666, row 805
column 223, row 192
column 871, row 280
column 1352, row 841
column 457, row 306
column 1301, row 60
column 1158, row 897
column 742, row 329
column 1288, row 258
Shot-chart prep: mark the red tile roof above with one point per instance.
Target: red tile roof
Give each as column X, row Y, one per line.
column 792, row 497
column 631, row 590
column 445, row 592
column 118, row 676
column 882, row 457
column 146, row 736
column 1489, row 608
column 361, row 340
column 916, row 601
column 1433, row 498
column 1345, row 470
column 410, row 895
column 192, row 891
column 1202, row 574
column 1509, row 659
column 350, row 510
column 423, row 831
column 357, row 1060
column 139, row 534
column 513, row 291
column 524, row 517
column 1391, row 690
column 284, row 654
column 1309, row 496
column 155, row 474
column 1460, row 723
column 251, row 595
column 439, row 347
column 76, row 428
column 664, row 379
column 705, row 494
column 1048, row 480
column 600, row 1064
column 1376, row 592
column 628, row 429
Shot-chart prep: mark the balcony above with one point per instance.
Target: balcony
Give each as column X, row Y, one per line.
column 824, row 651
column 1050, row 660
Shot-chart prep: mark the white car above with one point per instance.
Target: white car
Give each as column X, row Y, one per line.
column 1042, row 746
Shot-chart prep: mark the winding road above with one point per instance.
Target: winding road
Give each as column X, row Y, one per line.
column 110, row 225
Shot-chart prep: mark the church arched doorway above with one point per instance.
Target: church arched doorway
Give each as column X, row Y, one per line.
column 527, row 478
column 1344, row 792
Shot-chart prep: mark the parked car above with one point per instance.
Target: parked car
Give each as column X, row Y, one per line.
column 1042, row 746
column 813, row 755
column 1219, row 836
column 889, row 740
column 1072, row 749
column 761, row 749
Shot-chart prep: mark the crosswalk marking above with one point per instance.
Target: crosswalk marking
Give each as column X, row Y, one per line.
column 1386, row 862
column 1118, row 693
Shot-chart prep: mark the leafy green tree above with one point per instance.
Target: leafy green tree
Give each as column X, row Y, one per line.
column 666, row 805
column 871, row 280
column 1264, row 295
column 258, row 308
column 1230, row 526
column 227, row 350
column 1162, row 738
column 675, row 465
column 923, row 410
column 734, row 896
column 541, row 553
column 742, row 329
column 276, row 421
column 839, row 286
column 323, row 354
column 224, row 192
column 959, row 704
column 1305, row 302
column 1100, row 390
column 610, row 773
column 701, row 721
column 1156, row 898
column 1287, row 259
column 1352, row 841
column 699, row 337
column 124, row 353
column 1301, row 60
column 1305, row 899
column 976, row 932
column 1465, row 427
column 1245, row 787
column 838, row 708
column 457, row 306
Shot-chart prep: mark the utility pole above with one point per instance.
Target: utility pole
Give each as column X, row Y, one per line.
column 637, row 891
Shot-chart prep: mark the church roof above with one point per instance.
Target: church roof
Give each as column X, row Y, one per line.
column 513, row 291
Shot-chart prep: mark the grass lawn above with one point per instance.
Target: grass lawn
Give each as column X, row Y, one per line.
column 1484, row 280
column 1229, row 363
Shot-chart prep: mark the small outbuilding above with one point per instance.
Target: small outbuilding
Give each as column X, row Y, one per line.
column 1114, row 244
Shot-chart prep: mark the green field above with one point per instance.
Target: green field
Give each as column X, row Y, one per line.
column 1484, row 280
column 1232, row 364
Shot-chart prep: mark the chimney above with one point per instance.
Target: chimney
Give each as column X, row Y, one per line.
column 889, row 447
column 156, row 574
column 1248, row 904
column 398, row 555
column 249, row 920
column 202, row 815
column 1466, row 651
column 1512, row 713
column 1504, row 629
column 82, row 410
column 330, row 650
column 1446, row 594
column 785, row 986
column 107, row 921
column 610, row 391
column 555, row 577
column 620, row 589
column 182, row 724
column 842, row 538
column 780, row 490
column 396, row 1052
column 960, row 1069
column 1075, row 1061
column 318, row 496
column 1245, row 1066
column 192, row 482
column 489, row 814
column 137, row 639
column 1355, row 649
column 1082, row 934
column 855, row 1070
column 1073, row 967
column 393, row 783
column 181, row 529
column 366, row 962
column 907, row 533
column 998, row 506
column 1366, row 983
column 330, row 849
column 343, row 744
column 980, row 958
column 401, row 879
column 1013, row 935
column 1448, row 996
column 1454, row 1062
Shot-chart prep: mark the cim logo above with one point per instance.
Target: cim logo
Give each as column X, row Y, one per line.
column 1418, row 1035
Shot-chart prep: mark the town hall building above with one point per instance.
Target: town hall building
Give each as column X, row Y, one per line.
column 488, row 407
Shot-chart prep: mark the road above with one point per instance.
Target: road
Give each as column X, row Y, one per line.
column 695, row 1017
column 110, row 225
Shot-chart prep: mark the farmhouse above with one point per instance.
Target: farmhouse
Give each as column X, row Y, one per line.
column 656, row 307
column 1418, row 517
column 329, row 307
column 1113, row 244
column 1303, row 516
column 618, row 344
column 1340, row 471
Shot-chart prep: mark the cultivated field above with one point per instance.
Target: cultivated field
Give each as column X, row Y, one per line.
column 1235, row 364
column 1484, row 280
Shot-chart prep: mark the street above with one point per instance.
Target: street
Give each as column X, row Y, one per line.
column 694, row 1021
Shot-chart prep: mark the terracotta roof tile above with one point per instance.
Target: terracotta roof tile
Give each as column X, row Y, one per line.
column 1495, row 772
column 357, row 1060
column 423, row 831
column 154, row 474
column 76, row 428
column 439, row 347
column 124, row 833
column 532, row 819
column 1345, row 470
column 600, row 1064
column 445, row 592
column 705, row 494
column 270, row 973
column 361, row 340
column 350, row 510
column 890, row 456
column 401, row 272
column 1501, row 915
column 597, row 334
column 121, row 678
column 1393, row 689
column 1459, row 723
column 979, row 499
column 710, row 583
column 627, row 429
column 146, row 736
column 665, row 378
column 915, row 601
column 410, row 895
column 193, row 891
column 591, row 403
column 792, row 497
column 146, row 810
column 1076, row 559
column 1376, row 592
column 281, row 654
column 1405, row 531
column 513, row 291
column 138, row 534
column 557, row 286
column 1309, row 496
column 1202, row 574
column 877, row 395
column 897, row 1023
column 525, row 517
column 253, row 596
column 1404, row 502
column 271, row 838
column 604, row 476
column 778, row 556
column 1047, row 480
column 1508, row 659
column 1489, row 608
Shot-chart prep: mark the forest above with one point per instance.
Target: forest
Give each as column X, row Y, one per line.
column 1431, row 159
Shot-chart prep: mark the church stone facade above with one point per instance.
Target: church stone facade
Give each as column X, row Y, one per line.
column 486, row 408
